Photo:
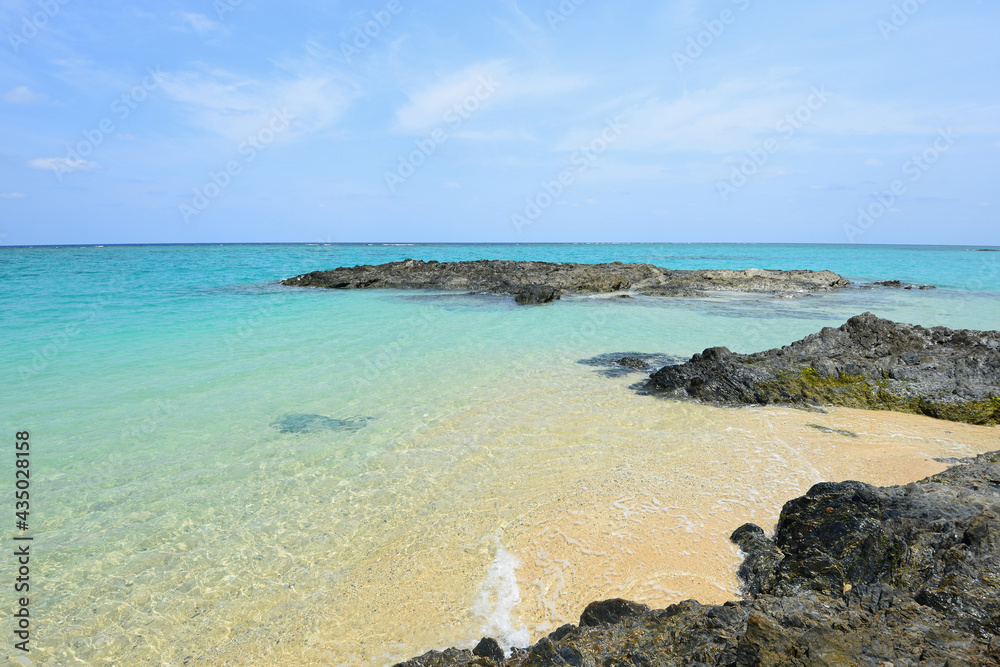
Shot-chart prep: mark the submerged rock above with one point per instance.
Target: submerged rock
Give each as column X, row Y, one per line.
column 854, row 575
column 868, row 363
column 513, row 277
column 306, row 423
column 617, row 364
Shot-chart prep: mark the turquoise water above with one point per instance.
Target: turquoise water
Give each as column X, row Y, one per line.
column 165, row 502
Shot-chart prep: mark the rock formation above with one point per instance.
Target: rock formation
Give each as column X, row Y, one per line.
column 868, row 363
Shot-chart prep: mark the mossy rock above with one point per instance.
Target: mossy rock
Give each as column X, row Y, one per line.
column 856, row 391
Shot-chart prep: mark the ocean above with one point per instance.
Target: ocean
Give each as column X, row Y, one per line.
column 228, row 471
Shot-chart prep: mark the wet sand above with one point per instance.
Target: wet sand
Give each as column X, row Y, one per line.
column 529, row 516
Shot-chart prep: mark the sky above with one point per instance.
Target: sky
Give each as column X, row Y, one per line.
column 523, row 121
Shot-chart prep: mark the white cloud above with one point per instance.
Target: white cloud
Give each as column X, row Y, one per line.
column 11, row 195
column 739, row 114
column 516, row 11
column 499, row 134
column 729, row 117
column 198, row 22
column 481, row 85
column 21, row 95
column 62, row 164
column 873, row 162
column 236, row 106
column 428, row 106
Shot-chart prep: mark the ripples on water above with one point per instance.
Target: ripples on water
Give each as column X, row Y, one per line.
column 319, row 477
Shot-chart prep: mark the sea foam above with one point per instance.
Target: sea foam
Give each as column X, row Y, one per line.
column 498, row 598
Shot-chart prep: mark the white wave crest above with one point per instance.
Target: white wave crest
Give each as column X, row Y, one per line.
column 498, row 598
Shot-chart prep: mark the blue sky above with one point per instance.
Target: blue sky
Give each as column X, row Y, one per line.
column 499, row 120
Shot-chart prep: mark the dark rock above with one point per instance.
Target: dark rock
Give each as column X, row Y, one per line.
column 306, row 423
column 888, row 283
column 762, row 558
column 512, row 277
column 855, row 575
column 867, row 363
column 536, row 294
column 489, row 648
column 618, row 364
column 635, row 363
column 609, row 612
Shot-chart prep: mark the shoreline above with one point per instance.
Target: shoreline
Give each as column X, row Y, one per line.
column 891, row 453
column 599, row 529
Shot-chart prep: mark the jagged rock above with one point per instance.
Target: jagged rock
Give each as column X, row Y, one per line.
column 511, row 277
column 868, row 363
column 489, row 648
column 609, row 612
column 536, row 294
column 855, row 575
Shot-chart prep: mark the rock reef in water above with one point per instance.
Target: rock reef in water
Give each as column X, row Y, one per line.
column 513, row 277
column 618, row 364
column 867, row 363
column 854, row 575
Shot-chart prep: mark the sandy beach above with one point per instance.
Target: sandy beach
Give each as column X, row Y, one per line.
column 589, row 509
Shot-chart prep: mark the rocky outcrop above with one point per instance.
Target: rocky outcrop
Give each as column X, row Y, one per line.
column 854, row 575
column 536, row 294
column 513, row 277
column 868, row 363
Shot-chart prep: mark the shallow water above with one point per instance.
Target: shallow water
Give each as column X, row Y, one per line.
column 168, row 507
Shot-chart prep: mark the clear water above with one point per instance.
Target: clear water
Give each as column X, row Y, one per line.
column 178, row 524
